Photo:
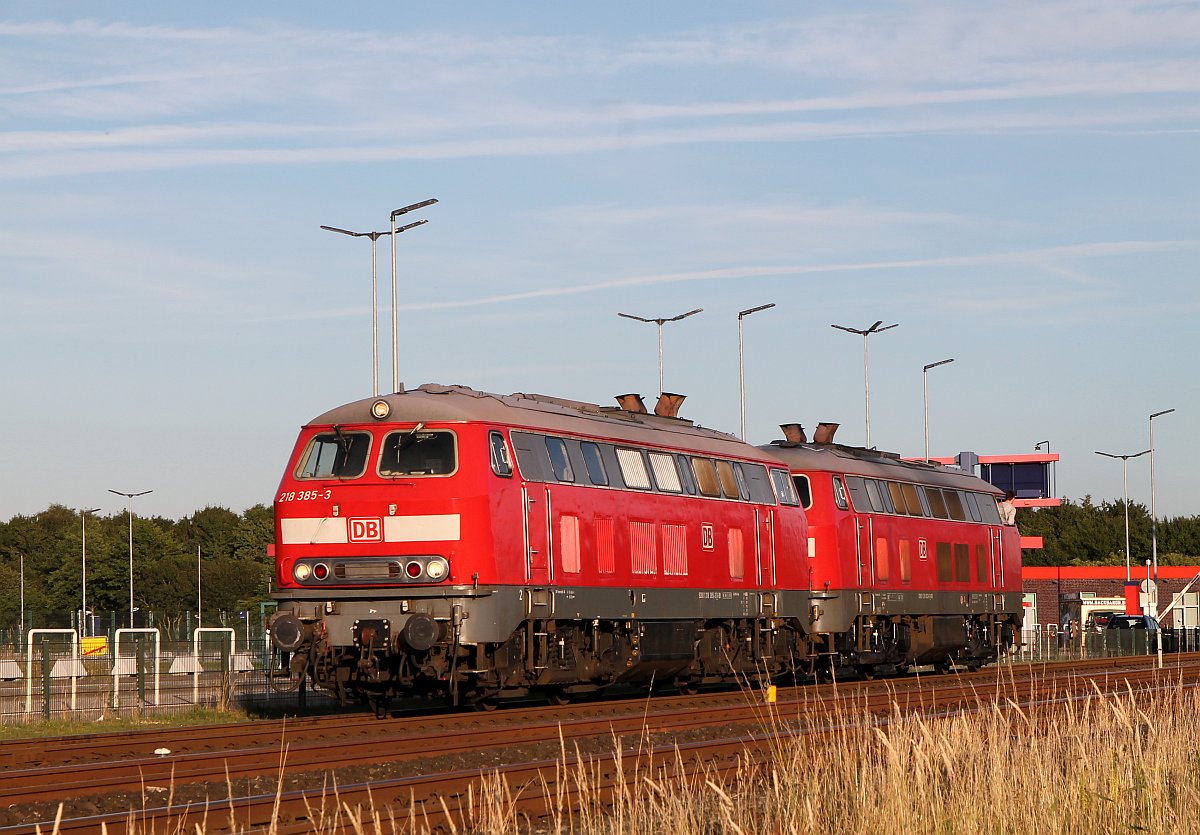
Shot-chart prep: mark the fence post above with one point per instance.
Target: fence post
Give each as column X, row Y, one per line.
column 45, row 678
column 141, row 674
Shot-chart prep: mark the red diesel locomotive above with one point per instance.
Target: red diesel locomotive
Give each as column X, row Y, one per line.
column 910, row 562
column 448, row 542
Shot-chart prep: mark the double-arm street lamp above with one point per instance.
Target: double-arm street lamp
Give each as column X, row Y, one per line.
column 83, row 613
column 1125, row 481
column 925, row 380
column 395, row 300
column 864, row 333
column 374, row 236
column 1153, row 515
column 742, row 314
column 130, row 497
column 660, row 323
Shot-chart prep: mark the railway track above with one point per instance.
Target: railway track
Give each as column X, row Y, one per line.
column 277, row 768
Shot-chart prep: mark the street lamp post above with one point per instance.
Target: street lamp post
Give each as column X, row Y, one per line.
column 395, row 301
column 83, row 613
column 130, row 497
column 741, row 361
column 925, row 381
column 864, row 333
column 1125, row 481
column 1153, row 514
column 660, row 323
column 374, row 236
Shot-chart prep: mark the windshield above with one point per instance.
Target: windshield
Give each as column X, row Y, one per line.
column 418, row 453
column 335, row 454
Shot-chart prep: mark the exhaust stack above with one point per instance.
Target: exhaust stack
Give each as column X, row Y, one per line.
column 668, row 404
column 825, row 432
column 632, row 403
column 794, row 433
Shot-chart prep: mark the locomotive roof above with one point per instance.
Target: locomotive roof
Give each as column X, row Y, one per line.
column 874, row 464
column 435, row 403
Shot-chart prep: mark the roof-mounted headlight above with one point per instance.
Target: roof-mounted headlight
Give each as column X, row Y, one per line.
column 380, row 409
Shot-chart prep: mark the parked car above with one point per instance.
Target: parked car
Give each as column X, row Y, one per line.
column 1132, row 622
column 1133, row 633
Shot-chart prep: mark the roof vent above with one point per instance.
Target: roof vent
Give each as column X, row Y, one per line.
column 794, row 433
column 631, row 403
column 825, row 432
column 668, row 404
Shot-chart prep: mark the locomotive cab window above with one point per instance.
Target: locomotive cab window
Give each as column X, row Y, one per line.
column 839, row 493
column 335, row 454
column 803, row 490
column 498, row 452
column 413, row 453
column 786, row 488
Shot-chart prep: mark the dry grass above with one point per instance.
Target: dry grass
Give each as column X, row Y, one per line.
column 1123, row 764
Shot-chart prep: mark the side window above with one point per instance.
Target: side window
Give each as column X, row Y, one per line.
column 665, row 474
column 973, row 506
column 532, row 457
column 758, row 483
column 729, row 482
column 784, row 487
column 911, row 500
column 937, row 504
column 559, row 461
column 685, row 474
column 803, row 490
column 633, row 468
column 498, row 451
column 954, row 505
column 739, row 473
column 706, row 477
column 878, row 497
column 858, row 491
column 897, row 496
column 594, row 463
column 839, row 493
column 337, row 455
column 988, row 509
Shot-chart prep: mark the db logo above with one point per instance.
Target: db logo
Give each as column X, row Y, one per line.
column 706, row 536
column 366, row 530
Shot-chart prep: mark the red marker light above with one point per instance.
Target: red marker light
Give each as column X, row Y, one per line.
column 320, row 571
column 413, row 570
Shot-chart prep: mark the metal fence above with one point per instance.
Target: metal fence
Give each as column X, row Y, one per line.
column 53, row 674
column 1051, row 643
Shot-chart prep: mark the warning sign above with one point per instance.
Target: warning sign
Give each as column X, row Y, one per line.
column 94, row 646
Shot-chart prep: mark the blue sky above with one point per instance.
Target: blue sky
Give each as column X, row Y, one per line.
column 1015, row 184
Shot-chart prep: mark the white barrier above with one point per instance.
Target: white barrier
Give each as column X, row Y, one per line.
column 29, row 661
column 128, row 665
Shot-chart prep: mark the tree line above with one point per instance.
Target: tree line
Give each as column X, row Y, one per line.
column 45, row 554
column 1086, row 533
column 235, row 571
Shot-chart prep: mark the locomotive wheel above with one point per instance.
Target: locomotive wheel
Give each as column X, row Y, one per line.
column 487, row 704
column 558, row 696
column 866, row 672
column 380, row 705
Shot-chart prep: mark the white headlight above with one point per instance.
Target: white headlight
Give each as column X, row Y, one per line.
column 302, row 572
column 436, row 569
column 380, row 409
